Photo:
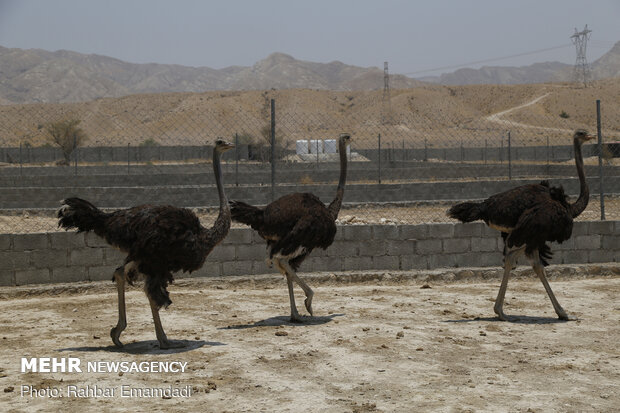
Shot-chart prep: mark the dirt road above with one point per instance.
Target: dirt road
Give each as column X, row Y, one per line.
column 378, row 342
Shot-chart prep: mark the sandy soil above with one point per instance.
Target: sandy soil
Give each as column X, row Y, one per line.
column 378, row 342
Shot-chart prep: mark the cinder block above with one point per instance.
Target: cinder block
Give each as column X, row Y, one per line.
column 601, row 227
column 27, row 242
column 69, row 274
column 574, row 257
column 327, row 264
column 580, row 228
column 410, row 262
column 357, row 263
column 32, row 276
column 5, row 242
column 103, row 273
column 569, row 244
column 441, row 261
column 48, row 258
column 413, row 232
column 601, row 256
column 14, row 260
column 473, row 229
column 428, row 246
column 386, row 262
column 484, row 244
column 385, row 232
column 112, row 256
column 456, row 245
column 250, row 252
column 343, row 249
column 88, row 257
column 372, row 248
column 610, row 242
column 60, row 240
column 587, row 242
column 237, row 267
column 238, row 236
column 222, row 253
column 397, row 248
column 441, row 230
column 209, row 269
column 357, row 232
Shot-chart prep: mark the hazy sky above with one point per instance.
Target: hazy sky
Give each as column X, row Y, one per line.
column 412, row 36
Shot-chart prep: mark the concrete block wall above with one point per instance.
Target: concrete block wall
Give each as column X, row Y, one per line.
column 67, row 256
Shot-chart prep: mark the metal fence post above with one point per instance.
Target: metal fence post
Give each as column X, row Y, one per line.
column 379, row 157
column 20, row 159
column 236, row 159
column 273, row 149
column 509, row 158
column 75, row 152
column 600, row 157
column 128, row 157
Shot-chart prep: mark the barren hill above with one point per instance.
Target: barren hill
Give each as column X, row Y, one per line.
column 449, row 112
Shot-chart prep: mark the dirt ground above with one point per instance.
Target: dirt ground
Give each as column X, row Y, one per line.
column 379, row 342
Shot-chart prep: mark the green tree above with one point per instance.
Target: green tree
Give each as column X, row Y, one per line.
column 67, row 135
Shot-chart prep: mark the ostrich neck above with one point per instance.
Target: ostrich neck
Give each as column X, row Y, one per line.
column 584, row 193
column 222, row 223
column 334, row 207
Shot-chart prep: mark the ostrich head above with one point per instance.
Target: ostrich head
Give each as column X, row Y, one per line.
column 581, row 136
column 345, row 138
column 222, row 146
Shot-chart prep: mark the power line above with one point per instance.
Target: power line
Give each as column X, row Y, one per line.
column 489, row 60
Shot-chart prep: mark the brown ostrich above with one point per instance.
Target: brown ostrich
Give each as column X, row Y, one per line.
column 293, row 226
column 158, row 240
column 528, row 217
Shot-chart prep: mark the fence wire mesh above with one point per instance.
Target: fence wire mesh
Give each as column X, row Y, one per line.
column 405, row 166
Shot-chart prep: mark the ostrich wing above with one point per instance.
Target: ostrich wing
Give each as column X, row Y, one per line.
column 308, row 233
column 548, row 221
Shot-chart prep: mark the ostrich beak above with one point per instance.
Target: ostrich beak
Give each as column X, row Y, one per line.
column 590, row 137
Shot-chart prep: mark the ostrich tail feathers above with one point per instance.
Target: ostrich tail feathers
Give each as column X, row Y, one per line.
column 467, row 211
column 545, row 254
column 81, row 214
column 246, row 214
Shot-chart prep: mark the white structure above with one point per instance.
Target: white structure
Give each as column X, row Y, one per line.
column 301, row 147
column 330, row 145
column 316, row 146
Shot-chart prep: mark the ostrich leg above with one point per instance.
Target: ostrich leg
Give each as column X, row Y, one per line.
column 295, row 317
column 539, row 269
column 164, row 343
column 509, row 259
column 115, row 332
column 307, row 290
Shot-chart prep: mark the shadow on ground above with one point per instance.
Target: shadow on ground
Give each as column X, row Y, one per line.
column 284, row 321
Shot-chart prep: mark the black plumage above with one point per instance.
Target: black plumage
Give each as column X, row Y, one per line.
column 293, row 226
column 529, row 217
column 158, row 240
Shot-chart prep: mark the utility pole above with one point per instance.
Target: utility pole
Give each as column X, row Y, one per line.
column 386, row 117
column 582, row 70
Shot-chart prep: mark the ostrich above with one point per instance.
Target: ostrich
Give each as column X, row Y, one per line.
column 158, row 240
column 293, row 226
column 528, row 217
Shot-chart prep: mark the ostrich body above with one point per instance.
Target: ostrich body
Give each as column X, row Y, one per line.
column 528, row 217
column 158, row 240
column 293, row 226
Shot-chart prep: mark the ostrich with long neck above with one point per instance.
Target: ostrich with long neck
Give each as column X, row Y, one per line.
column 293, row 226
column 528, row 217
column 158, row 241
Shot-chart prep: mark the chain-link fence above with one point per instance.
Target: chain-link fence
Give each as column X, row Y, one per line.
column 409, row 160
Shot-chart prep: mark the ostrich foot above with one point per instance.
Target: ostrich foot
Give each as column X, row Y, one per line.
column 563, row 316
column 115, row 333
column 308, row 302
column 295, row 317
column 167, row 344
column 501, row 315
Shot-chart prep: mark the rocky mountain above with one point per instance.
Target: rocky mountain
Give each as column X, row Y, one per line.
column 36, row 75
column 63, row 76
